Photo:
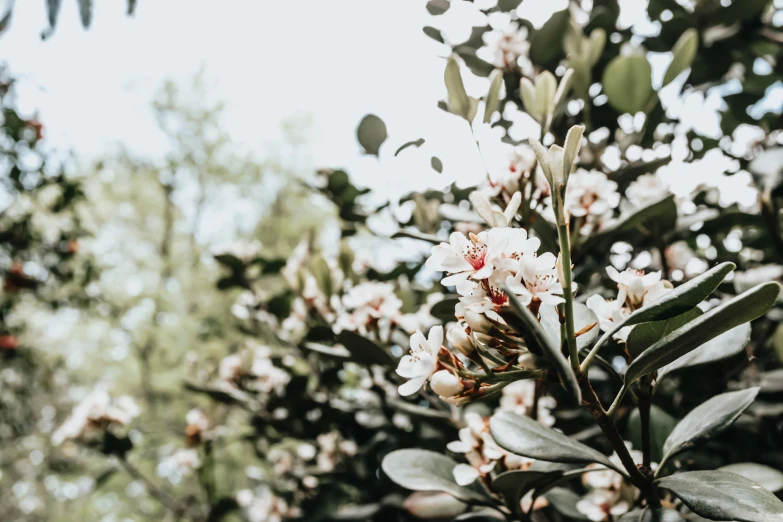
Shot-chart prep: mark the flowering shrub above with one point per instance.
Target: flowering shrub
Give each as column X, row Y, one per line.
column 568, row 340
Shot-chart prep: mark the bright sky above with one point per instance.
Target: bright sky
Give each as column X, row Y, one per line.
column 330, row 62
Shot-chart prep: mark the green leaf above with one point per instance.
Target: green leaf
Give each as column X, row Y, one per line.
column 416, row 143
column 433, row 33
column 564, row 501
column 536, row 338
column 707, row 420
column 645, row 335
column 493, row 96
column 769, row 478
column 459, row 103
column 725, row 345
column 583, row 317
column 677, row 301
column 437, row 7
column 508, row 5
column 85, row 12
column 422, row 470
column 742, row 309
column 525, row 436
column 662, row 213
column 719, row 495
column 661, row 425
column 436, row 164
column 546, row 44
column 684, row 52
column 513, row 485
column 652, row 515
column 363, row 350
column 444, row 310
column 627, row 82
column 52, row 11
column 371, row 133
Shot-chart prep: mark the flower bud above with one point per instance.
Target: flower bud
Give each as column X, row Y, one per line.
column 460, row 340
column 478, row 322
column 426, row 504
column 445, row 384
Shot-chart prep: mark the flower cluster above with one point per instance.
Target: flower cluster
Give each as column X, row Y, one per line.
column 97, row 411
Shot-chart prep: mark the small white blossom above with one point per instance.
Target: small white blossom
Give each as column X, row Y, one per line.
column 507, row 44
column 446, row 384
column 264, row 506
column 419, row 366
column 610, row 313
column 646, row 190
column 369, row 304
column 590, row 194
column 96, row 411
column 537, row 278
column 640, row 288
column 519, row 397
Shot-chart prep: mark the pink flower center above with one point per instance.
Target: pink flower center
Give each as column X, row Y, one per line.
column 476, row 255
column 497, row 296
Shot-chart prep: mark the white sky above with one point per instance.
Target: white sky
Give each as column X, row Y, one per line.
column 331, row 62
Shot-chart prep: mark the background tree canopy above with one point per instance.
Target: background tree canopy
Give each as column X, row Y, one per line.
column 586, row 329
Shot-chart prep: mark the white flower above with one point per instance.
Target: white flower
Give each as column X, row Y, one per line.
column 467, row 258
column 264, row 506
column 197, row 420
column 507, row 179
column 485, row 297
column 519, row 397
column 610, row 313
column 507, row 44
column 183, row 462
column 422, row 361
column 96, row 411
column 646, row 189
column 640, row 288
column 369, row 303
column 590, row 193
column 537, row 279
column 600, row 504
column 446, row 384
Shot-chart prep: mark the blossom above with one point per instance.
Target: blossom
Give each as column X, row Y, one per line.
column 507, row 179
column 182, row 462
column 537, row 278
column 446, row 384
column 646, row 189
column 369, row 305
column 507, row 44
column 96, row 411
column 264, row 506
column 590, row 194
column 481, row 451
column 520, row 396
column 467, row 258
column 610, row 313
column 600, row 504
column 484, row 298
column 419, row 366
column 640, row 288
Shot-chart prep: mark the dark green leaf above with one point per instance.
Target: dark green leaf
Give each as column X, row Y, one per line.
column 422, row 470
column 652, row 515
column 416, row 143
column 371, row 133
column 85, row 12
column 770, row 478
column 437, row 7
column 564, row 501
column 627, row 82
column 725, row 345
column 741, row 309
column 363, row 350
column 645, row 335
column 131, row 7
column 508, row 5
column 513, row 485
column 662, row 215
column 719, row 495
column 707, row 420
column 436, row 164
column 433, row 33
column 546, row 45
column 52, row 11
column 444, row 310
column 537, row 340
column 661, row 425
column 525, row 436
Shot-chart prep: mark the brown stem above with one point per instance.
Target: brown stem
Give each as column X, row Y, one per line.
column 643, row 481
